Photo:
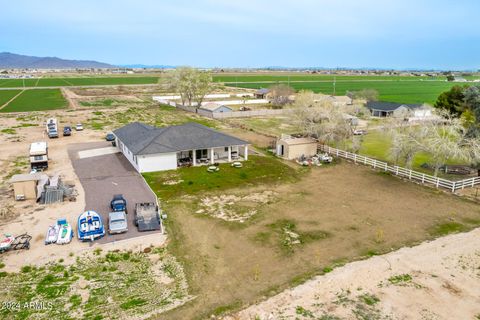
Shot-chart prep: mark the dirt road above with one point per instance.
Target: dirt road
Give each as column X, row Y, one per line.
column 435, row 280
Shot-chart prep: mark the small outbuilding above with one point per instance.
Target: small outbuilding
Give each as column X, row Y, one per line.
column 290, row 148
column 215, row 107
column 25, row 185
column 262, row 93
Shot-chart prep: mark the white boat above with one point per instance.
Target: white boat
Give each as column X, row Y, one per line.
column 52, row 234
column 65, row 232
column 7, row 242
column 90, row 226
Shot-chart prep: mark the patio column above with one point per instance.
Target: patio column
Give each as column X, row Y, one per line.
column 212, row 156
column 230, row 154
column 245, row 156
column 194, row 157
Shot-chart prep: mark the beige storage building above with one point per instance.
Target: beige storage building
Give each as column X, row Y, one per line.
column 25, row 185
column 292, row 148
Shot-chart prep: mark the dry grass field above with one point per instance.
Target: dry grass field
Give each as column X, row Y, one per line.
column 329, row 216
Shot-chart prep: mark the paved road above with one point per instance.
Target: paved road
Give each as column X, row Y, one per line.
column 105, row 175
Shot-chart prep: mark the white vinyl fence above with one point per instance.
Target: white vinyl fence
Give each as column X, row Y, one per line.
column 403, row 172
column 245, row 114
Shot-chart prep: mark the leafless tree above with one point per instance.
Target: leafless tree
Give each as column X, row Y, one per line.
column 364, row 94
column 191, row 84
column 280, row 94
column 323, row 120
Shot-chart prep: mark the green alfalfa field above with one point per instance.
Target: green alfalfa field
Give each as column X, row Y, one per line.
column 401, row 89
column 35, row 100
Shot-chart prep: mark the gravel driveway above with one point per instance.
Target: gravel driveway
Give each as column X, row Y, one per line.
column 103, row 176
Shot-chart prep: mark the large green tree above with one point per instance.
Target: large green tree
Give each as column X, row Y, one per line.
column 452, row 100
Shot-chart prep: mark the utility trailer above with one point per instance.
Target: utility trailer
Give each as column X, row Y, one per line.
column 39, row 155
column 15, row 243
column 147, row 216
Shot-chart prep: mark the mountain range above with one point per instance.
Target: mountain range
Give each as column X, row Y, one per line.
column 17, row 61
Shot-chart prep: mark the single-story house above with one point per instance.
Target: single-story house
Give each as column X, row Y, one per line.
column 290, row 148
column 262, row 93
column 25, row 185
column 215, row 107
column 151, row 149
column 387, row 109
column 335, row 100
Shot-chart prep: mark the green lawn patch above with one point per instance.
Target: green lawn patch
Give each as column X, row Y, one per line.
column 400, row 279
column 8, row 131
column 192, row 180
column 37, row 100
column 443, row 229
column 98, row 103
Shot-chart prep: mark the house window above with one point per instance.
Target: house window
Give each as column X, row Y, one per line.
column 226, row 149
column 135, row 159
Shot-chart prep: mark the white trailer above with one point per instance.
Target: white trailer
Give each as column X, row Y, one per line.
column 39, row 155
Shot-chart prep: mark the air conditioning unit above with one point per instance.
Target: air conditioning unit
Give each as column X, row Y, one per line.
column 20, row 197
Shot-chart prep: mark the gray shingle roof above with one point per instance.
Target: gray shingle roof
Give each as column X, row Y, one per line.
column 389, row 106
column 144, row 139
column 263, row 91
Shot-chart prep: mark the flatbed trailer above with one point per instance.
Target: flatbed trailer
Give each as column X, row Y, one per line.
column 21, row 242
column 147, row 216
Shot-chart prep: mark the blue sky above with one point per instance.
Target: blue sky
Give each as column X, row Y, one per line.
column 246, row 33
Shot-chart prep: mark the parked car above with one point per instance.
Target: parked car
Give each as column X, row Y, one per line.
column 79, row 127
column 359, row 132
column 110, row 137
column 118, row 203
column 67, row 131
column 117, row 222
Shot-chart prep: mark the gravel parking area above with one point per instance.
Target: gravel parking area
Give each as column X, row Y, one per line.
column 103, row 176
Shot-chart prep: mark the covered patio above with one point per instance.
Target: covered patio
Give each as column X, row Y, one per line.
column 207, row 156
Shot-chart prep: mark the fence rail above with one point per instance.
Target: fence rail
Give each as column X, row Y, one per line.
column 223, row 115
column 403, row 172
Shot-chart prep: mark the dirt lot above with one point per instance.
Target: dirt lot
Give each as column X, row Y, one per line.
column 27, row 216
column 435, row 280
column 333, row 215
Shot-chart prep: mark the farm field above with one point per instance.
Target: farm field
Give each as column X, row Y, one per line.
column 67, row 82
column 36, row 100
column 6, row 95
column 273, row 77
column 402, row 91
column 251, row 236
